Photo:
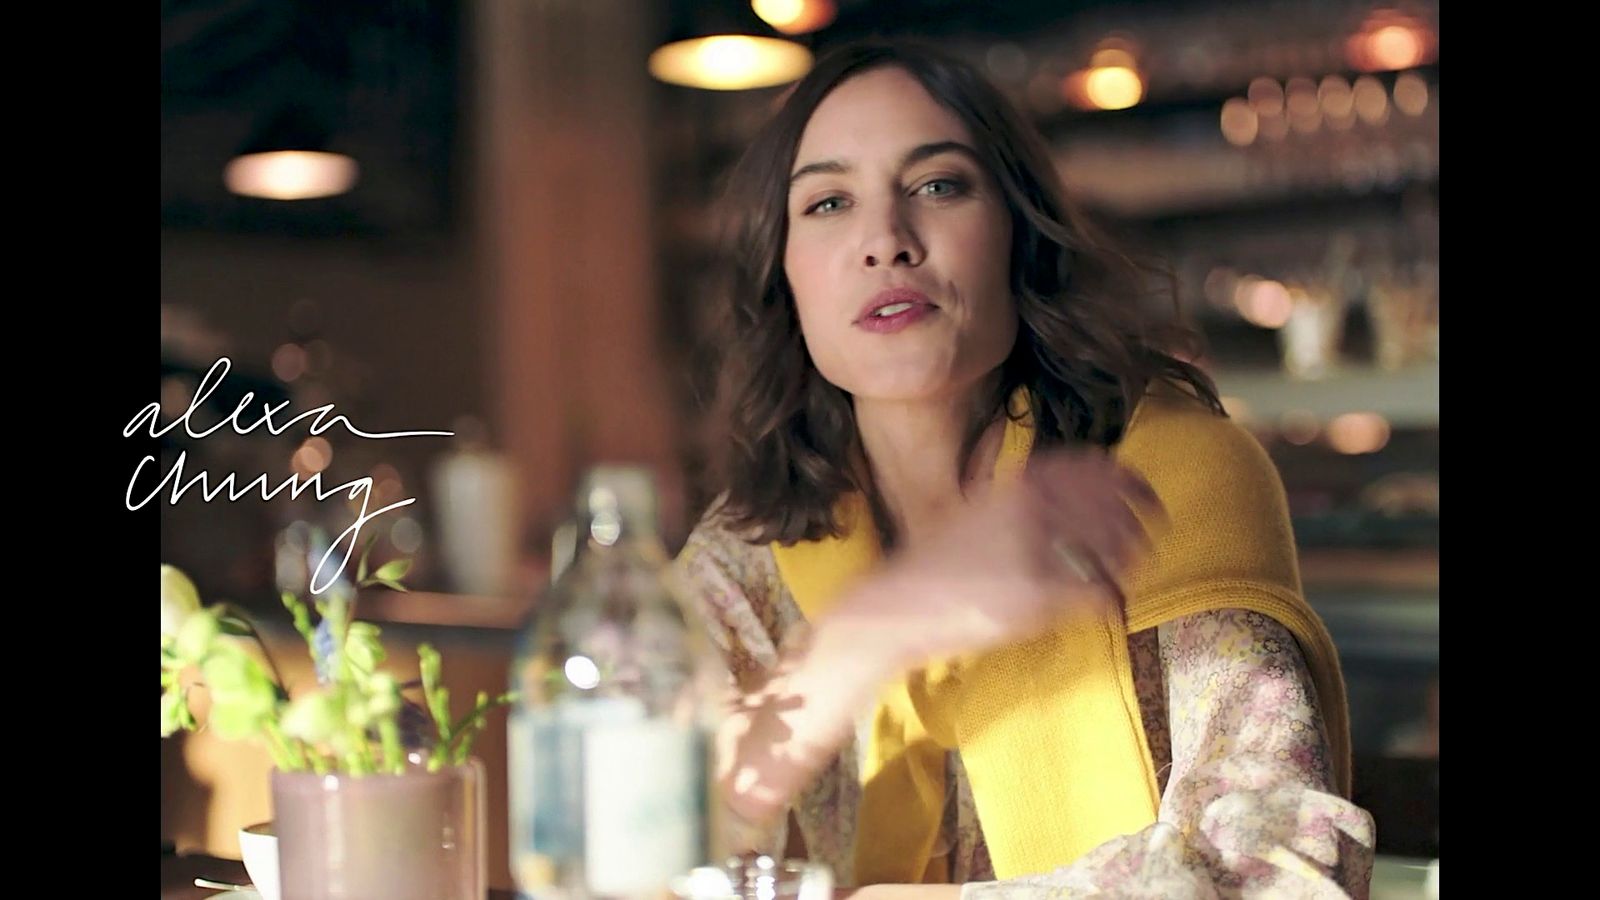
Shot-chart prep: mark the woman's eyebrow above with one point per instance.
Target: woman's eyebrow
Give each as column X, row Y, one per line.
column 914, row 155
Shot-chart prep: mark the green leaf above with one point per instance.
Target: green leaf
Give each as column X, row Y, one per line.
column 341, row 605
column 179, row 599
column 394, row 585
column 393, row 570
column 474, row 725
column 439, row 703
column 467, row 730
column 384, row 700
column 197, row 635
column 302, row 618
column 363, row 647
column 174, row 711
column 361, row 567
column 235, row 723
column 314, row 718
column 430, row 663
column 227, row 671
column 394, row 755
column 243, row 697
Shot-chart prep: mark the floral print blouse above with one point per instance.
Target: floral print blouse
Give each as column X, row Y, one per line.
column 1247, row 804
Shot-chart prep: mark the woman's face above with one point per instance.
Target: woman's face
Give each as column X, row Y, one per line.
column 899, row 244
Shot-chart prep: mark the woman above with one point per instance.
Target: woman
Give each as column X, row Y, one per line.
column 1012, row 605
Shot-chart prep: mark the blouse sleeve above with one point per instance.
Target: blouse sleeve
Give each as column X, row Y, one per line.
column 731, row 585
column 734, row 588
column 1249, row 808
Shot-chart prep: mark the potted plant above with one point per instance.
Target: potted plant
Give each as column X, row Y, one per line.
column 359, row 810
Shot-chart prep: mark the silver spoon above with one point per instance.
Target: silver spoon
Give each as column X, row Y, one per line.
column 222, row 885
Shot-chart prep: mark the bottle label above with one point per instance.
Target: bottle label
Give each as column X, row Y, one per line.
column 545, row 790
column 596, row 781
column 644, row 805
column 546, row 764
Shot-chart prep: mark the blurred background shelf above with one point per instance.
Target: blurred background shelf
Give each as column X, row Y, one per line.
column 445, row 610
column 1345, row 569
column 1407, row 399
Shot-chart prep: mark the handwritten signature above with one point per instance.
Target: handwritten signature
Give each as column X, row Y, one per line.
column 359, row 489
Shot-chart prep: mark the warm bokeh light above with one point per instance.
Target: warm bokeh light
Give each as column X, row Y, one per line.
column 1371, row 100
column 1389, row 41
column 1335, row 96
column 1113, row 87
column 1358, row 432
column 1411, row 94
column 1111, row 80
column 289, row 362
column 1266, row 97
column 730, row 62
column 313, row 456
column 1300, row 100
column 1338, row 102
column 291, row 175
column 1264, row 303
column 1300, row 96
column 795, row 16
column 1395, row 47
column 1239, row 122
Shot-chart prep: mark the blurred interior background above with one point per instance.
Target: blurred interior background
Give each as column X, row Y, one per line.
column 508, row 235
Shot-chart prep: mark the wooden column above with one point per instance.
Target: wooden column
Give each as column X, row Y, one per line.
column 566, row 242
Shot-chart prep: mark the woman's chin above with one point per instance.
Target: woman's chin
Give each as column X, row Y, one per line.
column 921, row 389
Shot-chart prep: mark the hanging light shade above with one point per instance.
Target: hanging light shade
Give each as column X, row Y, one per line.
column 289, row 159
column 727, row 49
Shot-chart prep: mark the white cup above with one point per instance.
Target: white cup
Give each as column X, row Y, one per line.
column 259, row 847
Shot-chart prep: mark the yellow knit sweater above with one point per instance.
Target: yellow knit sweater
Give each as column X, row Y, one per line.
column 1049, row 729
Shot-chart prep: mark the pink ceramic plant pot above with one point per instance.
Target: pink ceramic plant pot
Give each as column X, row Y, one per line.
column 416, row 835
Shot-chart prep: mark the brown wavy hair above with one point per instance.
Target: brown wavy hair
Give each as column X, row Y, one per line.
column 785, row 443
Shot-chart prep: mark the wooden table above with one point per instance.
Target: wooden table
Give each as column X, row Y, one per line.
column 179, row 872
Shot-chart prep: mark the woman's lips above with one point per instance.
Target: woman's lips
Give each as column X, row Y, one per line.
column 895, row 309
column 896, row 316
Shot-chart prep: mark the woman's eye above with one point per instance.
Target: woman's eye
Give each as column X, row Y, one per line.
column 941, row 187
column 826, row 205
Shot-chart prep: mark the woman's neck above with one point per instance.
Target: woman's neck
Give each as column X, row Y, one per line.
column 914, row 449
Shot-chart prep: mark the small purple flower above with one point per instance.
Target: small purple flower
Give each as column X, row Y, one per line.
column 322, row 652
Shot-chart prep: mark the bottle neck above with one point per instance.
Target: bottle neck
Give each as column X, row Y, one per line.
column 616, row 515
column 611, row 528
